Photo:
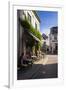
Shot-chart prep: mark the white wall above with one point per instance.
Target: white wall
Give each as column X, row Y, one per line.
column 33, row 19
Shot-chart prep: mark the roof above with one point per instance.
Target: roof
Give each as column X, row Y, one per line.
column 54, row 30
column 44, row 36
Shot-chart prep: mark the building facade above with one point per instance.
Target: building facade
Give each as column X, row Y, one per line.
column 28, row 28
column 45, row 45
column 32, row 18
column 53, row 39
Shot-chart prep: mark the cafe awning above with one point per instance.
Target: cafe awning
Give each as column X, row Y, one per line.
column 34, row 37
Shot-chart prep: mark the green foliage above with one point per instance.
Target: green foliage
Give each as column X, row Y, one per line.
column 38, row 45
column 25, row 23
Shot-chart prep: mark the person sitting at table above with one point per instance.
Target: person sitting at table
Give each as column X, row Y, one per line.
column 28, row 55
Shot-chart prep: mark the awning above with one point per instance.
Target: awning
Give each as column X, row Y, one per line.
column 34, row 37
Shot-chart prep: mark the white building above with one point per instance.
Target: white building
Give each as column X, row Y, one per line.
column 45, row 45
column 53, row 39
column 26, row 39
column 32, row 17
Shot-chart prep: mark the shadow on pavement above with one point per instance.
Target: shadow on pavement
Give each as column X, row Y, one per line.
column 38, row 71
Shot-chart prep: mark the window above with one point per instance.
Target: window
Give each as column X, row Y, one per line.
column 44, row 43
column 55, row 38
column 23, row 15
column 35, row 26
column 29, row 17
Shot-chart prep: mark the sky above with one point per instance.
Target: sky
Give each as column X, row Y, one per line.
column 48, row 19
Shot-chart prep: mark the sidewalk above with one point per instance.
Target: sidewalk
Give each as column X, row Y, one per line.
column 32, row 70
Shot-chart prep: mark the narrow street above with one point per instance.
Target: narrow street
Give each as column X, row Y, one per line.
column 46, row 68
column 49, row 70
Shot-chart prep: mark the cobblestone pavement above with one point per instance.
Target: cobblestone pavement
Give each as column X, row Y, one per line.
column 44, row 68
